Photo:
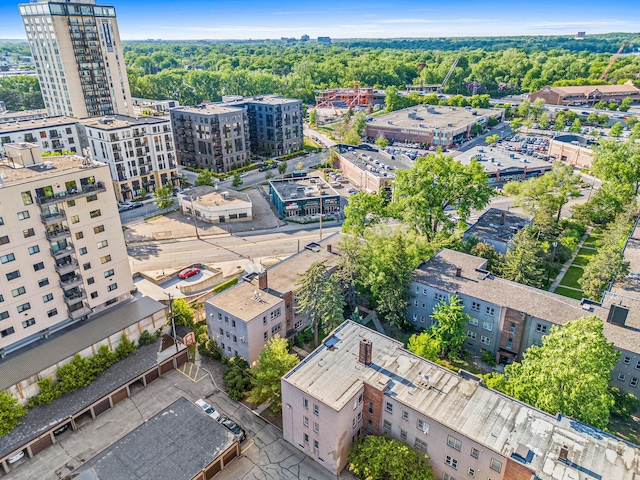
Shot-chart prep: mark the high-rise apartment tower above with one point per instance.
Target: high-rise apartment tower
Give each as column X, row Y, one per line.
column 78, row 55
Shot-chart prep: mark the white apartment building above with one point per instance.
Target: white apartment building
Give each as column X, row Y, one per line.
column 78, row 54
column 51, row 134
column 62, row 251
column 139, row 152
column 362, row 382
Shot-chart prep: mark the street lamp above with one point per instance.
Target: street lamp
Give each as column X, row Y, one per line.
column 173, row 324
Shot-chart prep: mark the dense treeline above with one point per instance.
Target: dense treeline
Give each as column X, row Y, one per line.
column 21, row 92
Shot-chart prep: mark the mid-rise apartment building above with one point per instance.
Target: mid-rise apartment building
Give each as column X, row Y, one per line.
column 213, row 136
column 138, row 150
column 362, row 382
column 507, row 317
column 78, row 54
column 62, row 251
column 243, row 318
column 275, row 124
column 51, row 134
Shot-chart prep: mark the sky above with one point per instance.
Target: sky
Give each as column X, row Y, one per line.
column 260, row 19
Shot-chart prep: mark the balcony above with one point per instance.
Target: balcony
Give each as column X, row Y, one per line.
column 72, row 194
column 63, row 252
column 66, row 267
column 52, row 218
column 71, row 282
column 75, row 297
column 58, row 234
column 80, row 312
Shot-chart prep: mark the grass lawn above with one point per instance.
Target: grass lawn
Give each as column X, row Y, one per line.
column 572, row 276
column 566, row 292
column 465, row 364
column 627, row 429
column 583, row 257
column 593, row 240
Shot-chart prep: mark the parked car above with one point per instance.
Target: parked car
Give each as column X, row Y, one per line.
column 273, row 166
column 61, row 430
column 137, row 205
column 234, row 427
column 188, row 272
column 244, row 174
column 124, row 208
column 15, row 457
column 263, row 168
column 352, row 190
column 208, row 409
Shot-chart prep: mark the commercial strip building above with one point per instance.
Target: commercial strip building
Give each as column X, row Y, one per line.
column 51, row 134
column 243, row 318
column 497, row 227
column 574, row 150
column 79, row 57
column 61, row 244
column 180, row 442
column 430, row 124
column 138, row 150
column 503, row 167
column 586, row 94
column 360, row 381
column 213, row 206
column 303, row 199
column 508, row 317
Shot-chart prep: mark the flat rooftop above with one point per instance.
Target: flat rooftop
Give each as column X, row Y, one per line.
column 117, row 122
column 433, row 117
column 243, row 300
column 363, row 159
column 493, row 159
column 500, row 225
column 175, row 444
column 332, row 374
column 300, row 188
column 18, row 124
column 207, row 196
column 584, row 89
column 209, row 109
column 50, row 167
column 578, row 140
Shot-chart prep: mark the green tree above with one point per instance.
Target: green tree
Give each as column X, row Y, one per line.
column 351, row 137
column 424, row 345
column 313, row 117
column 449, row 332
column 631, row 121
column 364, row 210
column 382, row 142
column 268, row 175
column 476, row 129
column 10, row 413
column 164, row 198
column 282, row 167
column 492, row 122
column 625, row 104
column 182, row 313
column 491, row 139
column 380, row 457
column 625, row 404
column 495, row 260
column 576, row 127
column 569, row 373
column 319, row 297
column 237, row 181
column 523, row 260
column 435, row 183
column 616, row 130
column 618, row 162
column 273, row 362
column 237, row 378
column 205, row 178
column 515, row 124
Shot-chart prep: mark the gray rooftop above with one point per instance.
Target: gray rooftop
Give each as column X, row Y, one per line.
column 41, row 419
column 500, row 423
column 364, row 159
column 499, row 225
column 210, row 109
column 430, row 117
column 117, row 122
column 494, row 159
column 300, row 188
column 24, row 124
column 175, row 444
column 42, row 354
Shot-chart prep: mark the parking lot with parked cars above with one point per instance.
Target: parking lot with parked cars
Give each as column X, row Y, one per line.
column 534, row 146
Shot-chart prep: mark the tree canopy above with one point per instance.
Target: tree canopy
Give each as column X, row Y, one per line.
column 10, row 413
column 274, row 361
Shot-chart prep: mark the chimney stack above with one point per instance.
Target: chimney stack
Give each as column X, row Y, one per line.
column 263, row 284
column 366, row 350
column 458, row 271
column 329, row 248
column 503, row 217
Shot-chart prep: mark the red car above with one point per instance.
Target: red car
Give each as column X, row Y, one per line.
column 188, row 272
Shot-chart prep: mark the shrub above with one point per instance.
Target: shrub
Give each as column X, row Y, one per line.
column 224, row 285
column 237, row 378
column 48, row 392
column 488, row 357
column 125, row 347
column 210, row 349
column 75, row 374
column 147, row 338
column 626, row 404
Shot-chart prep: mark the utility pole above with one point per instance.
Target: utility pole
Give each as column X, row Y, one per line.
column 195, row 221
column 173, row 324
column 320, row 190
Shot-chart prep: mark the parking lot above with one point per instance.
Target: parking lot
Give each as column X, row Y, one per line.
column 264, row 452
column 534, row 146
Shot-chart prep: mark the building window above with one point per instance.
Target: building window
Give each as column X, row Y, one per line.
column 4, row 240
column 485, row 340
column 386, row 426
column 490, row 311
column 638, row 365
column 305, row 421
column 105, row 259
column 496, row 465
column 403, row 434
column 7, row 332
column 510, row 343
column 4, row 315
column 633, row 383
column 43, row 283
column 316, row 427
column 475, row 453
column 23, row 215
column 621, row 376
column 423, row 426
column 90, row 281
column 454, row 442
column 541, row 328
column 264, row 320
column 75, row 219
column 95, row 213
column 29, row 232
column 94, row 295
column 305, row 403
column 92, row 198
column 52, row 313
column 24, row 307
column 487, row 326
column 626, row 360
column 471, row 472
column 109, row 273
column 83, row 250
column 471, row 335
column 452, row 462
column 102, row 244
column 18, row 291
column 475, row 306
column 512, row 328
column 266, row 335
column 370, row 408
column 98, row 229
column 47, row 298
column 316, row 409
column 389, row 407
column 71, row 203
column 79, row 235
column 405, row 415
column 446, row 476
column 13, row 275
column 473, row 321
column 112, row 287
column 28, row 323
column 420, row 445
column 306, row 438
column 27, row 199
column 316, row 445
column 38, row 266
column 9, row 257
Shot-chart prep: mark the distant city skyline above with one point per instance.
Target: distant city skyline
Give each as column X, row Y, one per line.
column 249, row 19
